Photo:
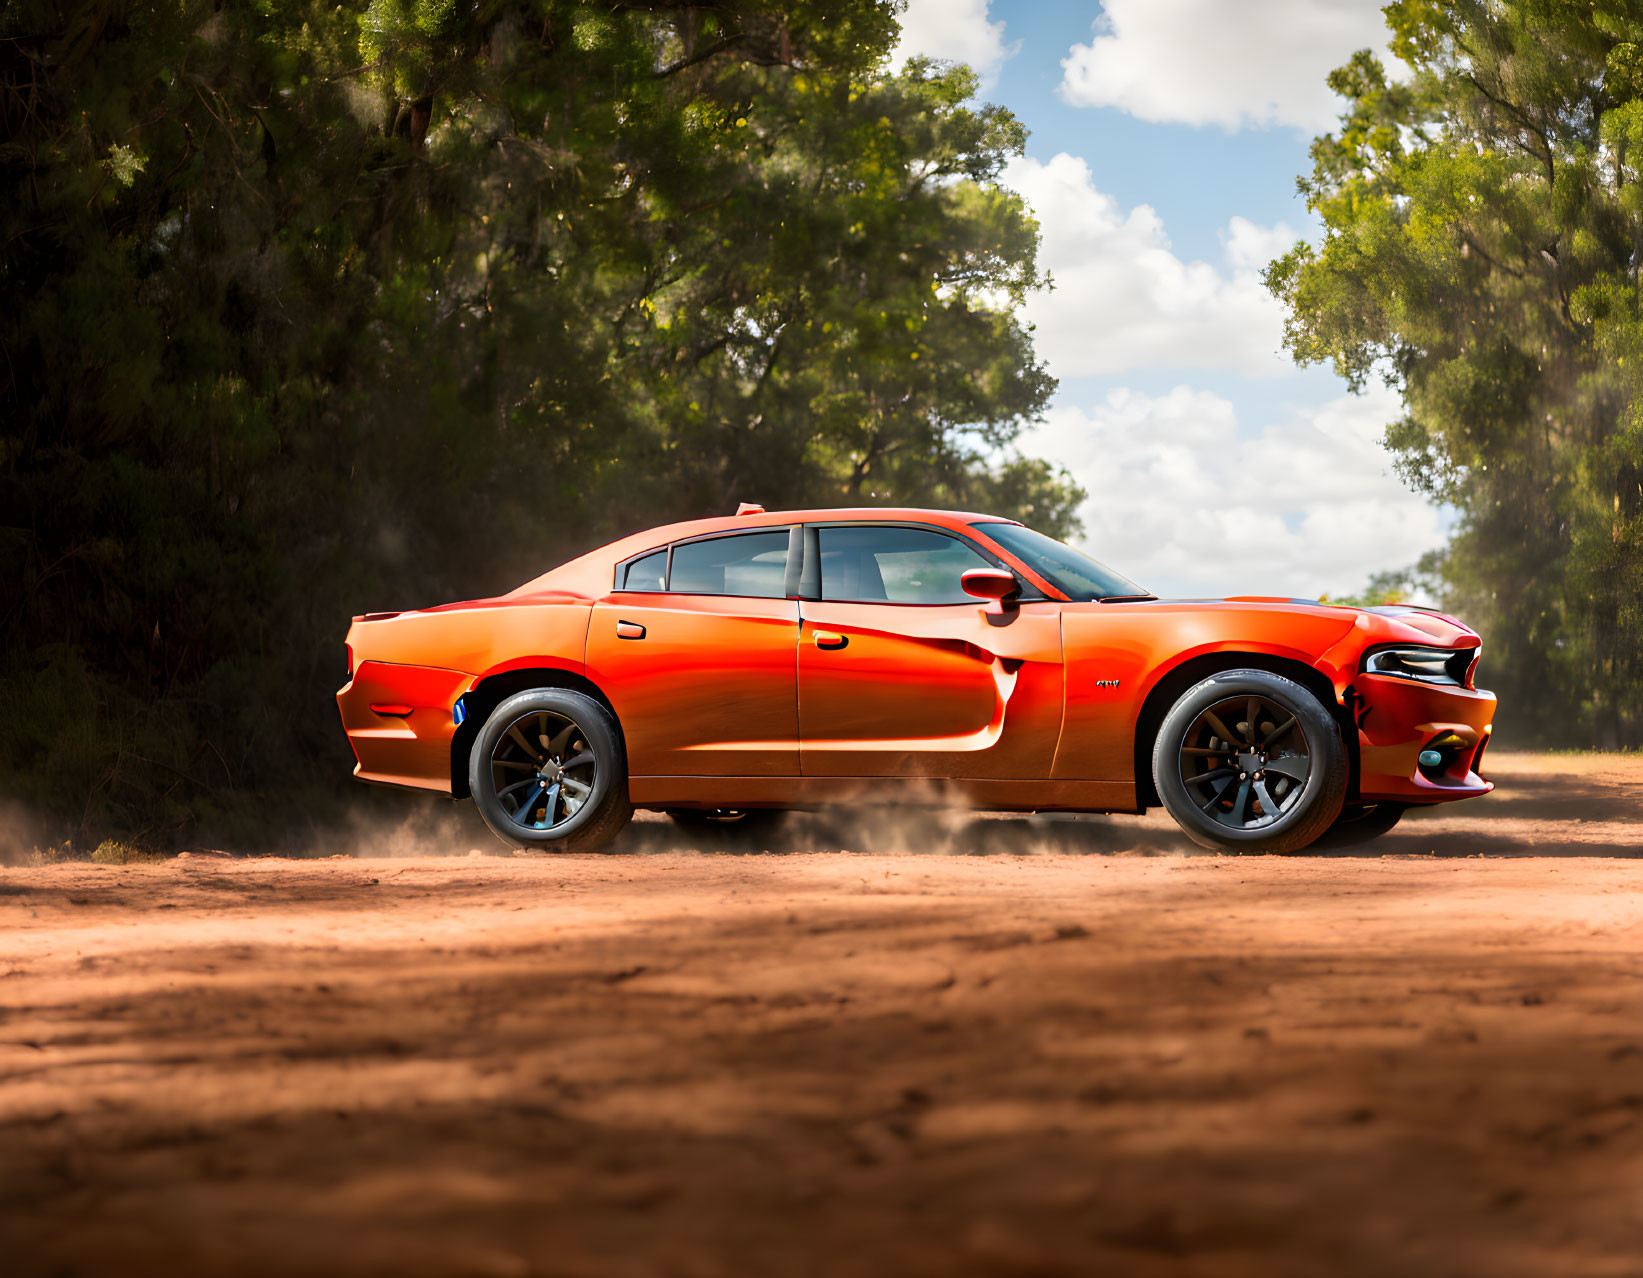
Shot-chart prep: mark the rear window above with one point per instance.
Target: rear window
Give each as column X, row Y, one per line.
column 746, row 564
column 649, row 573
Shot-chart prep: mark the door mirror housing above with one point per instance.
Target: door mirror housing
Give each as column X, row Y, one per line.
column 995, row 585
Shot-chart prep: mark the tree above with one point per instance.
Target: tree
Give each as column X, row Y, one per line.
column 315, row 308
column 1482, row 231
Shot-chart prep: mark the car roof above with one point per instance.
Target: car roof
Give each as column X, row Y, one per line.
column 590, row 574
column 824, row 514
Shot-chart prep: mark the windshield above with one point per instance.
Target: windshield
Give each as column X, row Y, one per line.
column 1070, row 571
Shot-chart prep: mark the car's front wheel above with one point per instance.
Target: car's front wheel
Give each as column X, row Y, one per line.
column 1250, row 761
column 548, row 772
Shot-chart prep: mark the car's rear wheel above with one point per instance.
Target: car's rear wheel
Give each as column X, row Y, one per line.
column 1359, row 823
column 1250, row 761
column 548, row 772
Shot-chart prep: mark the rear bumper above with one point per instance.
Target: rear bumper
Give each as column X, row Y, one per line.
column 1398, row 718
column 399, row 721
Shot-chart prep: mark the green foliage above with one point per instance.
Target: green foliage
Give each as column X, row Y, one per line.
column 317, row 308
column 116, row 852
column 1483, row 225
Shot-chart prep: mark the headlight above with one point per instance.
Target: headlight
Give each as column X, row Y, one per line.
column 1452, row 666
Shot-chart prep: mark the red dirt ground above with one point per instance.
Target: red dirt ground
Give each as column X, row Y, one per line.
column 1091, row 1050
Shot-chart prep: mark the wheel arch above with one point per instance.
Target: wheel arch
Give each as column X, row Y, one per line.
column 479, row 701
column 1169, row 687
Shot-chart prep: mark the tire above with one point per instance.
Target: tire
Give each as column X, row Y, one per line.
column 1274, row 780
column 734, row 826
column 564, row 740
column 1359, row 823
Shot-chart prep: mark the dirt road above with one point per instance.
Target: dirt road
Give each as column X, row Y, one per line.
column 1092, row 1050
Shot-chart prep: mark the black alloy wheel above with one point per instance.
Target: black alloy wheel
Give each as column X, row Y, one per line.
column 548, row 770
column 1249, row 764
column 1250, row 760
column 559, row 769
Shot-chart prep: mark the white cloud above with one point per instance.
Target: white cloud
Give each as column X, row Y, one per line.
column 1183, row 504
column 1123, row 300
column 1251, row 247
column 956, row 31
column 1226, row 62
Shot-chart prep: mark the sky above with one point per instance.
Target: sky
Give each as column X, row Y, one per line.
column 1166, row 139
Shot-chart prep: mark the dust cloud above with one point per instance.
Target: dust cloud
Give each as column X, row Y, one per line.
column 22, row 833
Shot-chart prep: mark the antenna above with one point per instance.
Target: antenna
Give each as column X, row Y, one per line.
column 750, row 508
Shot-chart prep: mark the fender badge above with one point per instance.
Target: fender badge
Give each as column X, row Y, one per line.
column 1106, row 683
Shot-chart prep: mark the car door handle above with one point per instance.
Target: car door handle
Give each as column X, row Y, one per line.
column 829, row 639
column 629, row 630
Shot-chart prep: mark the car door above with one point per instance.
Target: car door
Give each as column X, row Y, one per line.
column 696, row 649
column 902, row 674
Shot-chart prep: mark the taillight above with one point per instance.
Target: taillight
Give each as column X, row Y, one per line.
column 350, row 648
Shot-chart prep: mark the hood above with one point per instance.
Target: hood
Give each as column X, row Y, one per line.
column 1387, row 623
column 1439, row 627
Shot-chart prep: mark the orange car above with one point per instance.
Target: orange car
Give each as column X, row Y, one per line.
column 728, row 669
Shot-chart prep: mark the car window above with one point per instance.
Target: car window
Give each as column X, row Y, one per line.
column 649, row 573
column 1070, row 571
column 882, row 564
column 748, row 564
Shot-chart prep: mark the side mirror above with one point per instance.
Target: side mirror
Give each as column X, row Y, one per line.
column 995, row 585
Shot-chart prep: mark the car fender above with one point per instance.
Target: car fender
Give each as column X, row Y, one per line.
column 1118, row 657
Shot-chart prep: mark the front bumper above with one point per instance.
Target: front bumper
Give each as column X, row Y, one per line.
column 1398, row 718
column 399, row 722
